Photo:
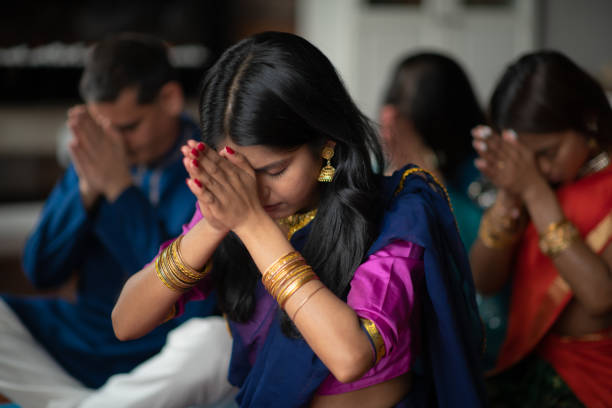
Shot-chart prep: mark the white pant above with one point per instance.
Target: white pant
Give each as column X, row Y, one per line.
column 191, row 369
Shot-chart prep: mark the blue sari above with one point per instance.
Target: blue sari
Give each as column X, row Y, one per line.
column 287, row 373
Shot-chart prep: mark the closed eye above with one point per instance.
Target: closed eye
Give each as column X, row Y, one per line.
column 277, row 173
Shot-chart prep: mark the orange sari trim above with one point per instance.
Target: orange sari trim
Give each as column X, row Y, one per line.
column 539, row 294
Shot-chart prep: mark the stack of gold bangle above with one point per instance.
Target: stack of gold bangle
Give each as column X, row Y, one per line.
column 499, row 230
column 557, row 237
column 173, row 272
column 286, row 275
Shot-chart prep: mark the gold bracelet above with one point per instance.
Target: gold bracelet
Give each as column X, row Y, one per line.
column 303, row 302
column 294, row 286
column 168, row 271
column 558, row 237
column 502, row 234
column 281, row 275
column 162, row 277
column 280, row 262
column 286, row 278
column 188, row 270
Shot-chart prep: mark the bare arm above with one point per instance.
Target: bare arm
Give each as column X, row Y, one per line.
column 587, row 273
column 145, row 302
column 492, row 264
column 512, row 167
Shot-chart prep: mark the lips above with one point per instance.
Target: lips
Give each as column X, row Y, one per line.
column 272, row 208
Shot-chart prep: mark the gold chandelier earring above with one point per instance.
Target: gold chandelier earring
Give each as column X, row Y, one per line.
column 328, row 171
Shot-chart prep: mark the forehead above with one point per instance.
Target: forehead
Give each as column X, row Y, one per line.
column 124, row 109
column 538, row 141
column 259, row 155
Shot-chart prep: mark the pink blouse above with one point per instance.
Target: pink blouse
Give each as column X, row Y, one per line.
column 386, row 289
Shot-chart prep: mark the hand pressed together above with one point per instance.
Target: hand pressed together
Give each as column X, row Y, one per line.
column 225, row 185
column 99, row 157
column 506, row 162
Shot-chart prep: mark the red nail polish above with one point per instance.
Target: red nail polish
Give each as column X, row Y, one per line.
column 201, row 146
column 195, row 152
column 195, row 163
column 229, row 150
column 197, row 182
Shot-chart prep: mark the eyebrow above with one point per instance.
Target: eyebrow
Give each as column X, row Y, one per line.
column 272, row 165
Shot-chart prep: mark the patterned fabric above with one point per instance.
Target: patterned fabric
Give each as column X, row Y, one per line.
column 533, row 383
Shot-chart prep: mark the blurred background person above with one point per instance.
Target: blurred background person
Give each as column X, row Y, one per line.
column 549, row 233
column 428, row 112
column 123, row 195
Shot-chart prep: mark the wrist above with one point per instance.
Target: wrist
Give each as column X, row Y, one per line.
column 114, row 190
column 533, row 192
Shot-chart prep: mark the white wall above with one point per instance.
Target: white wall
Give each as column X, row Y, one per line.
column 365, row 41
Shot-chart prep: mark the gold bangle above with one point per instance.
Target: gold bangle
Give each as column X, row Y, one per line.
column 276, row 265
column 558, row 237
column 162, row 277
column 295, row 285
column 303, row 302
column 172, row 272
column 502, row 234
column 186, row 273
column 184, row 266
column 286, row 278
column 281, row 274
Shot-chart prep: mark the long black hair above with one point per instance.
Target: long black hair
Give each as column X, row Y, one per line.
column 546, row 92
column 278, row 90
column 433, row 92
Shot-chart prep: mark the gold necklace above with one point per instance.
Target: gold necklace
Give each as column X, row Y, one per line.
column 296, row 222
column 597, row 163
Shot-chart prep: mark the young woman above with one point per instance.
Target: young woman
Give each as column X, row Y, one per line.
column 428, row 113
column 549, row 232
column 372, row 309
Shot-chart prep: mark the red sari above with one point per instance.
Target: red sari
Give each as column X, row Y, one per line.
column 540, row 295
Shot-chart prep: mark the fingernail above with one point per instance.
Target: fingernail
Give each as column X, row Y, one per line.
column 195, row 152
column 478, row 145
column 480, row 163
column 229, row 150
column 197, row 182
column 201, row 147
column 195, row 163
column 511, row 134
column 485, row 132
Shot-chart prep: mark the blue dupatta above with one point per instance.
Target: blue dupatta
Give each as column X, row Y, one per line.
column 286, row 372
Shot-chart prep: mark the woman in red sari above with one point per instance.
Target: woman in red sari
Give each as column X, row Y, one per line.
column 549, row 232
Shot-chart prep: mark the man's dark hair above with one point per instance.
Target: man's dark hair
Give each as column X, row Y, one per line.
column 123, row 61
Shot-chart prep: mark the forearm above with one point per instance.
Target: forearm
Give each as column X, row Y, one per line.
column 145, row 301
column 329, row 326
column 588, row 276
column 491, row 267
column 491, row 255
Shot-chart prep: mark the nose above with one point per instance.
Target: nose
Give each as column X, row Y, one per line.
column 545, row 166
column 263, row 190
